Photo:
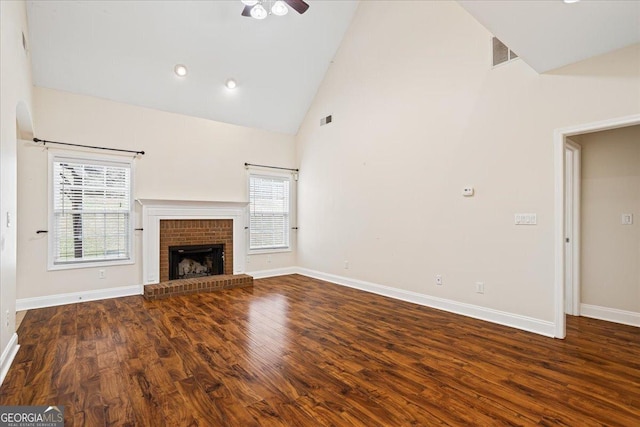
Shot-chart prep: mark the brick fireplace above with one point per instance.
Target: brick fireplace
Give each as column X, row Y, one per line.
column 182, row 232
column 171, row 223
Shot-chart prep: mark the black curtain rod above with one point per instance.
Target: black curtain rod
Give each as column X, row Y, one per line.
column 272, row 167
column 44, row 142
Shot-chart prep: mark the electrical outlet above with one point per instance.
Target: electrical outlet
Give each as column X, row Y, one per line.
column 627, row 219
column 480, row 287
column 102, row 273
column 438, row 279
column 346, row 265
column 6, row 319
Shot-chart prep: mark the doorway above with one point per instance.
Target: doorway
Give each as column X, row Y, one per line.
column 566, row 217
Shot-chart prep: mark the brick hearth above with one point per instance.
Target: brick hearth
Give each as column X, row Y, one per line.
column 200, row 284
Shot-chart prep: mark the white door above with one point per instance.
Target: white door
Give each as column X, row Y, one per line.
column 568, row 228
column 571, row 229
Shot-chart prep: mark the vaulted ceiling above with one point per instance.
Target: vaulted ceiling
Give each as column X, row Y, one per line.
column 126, row 50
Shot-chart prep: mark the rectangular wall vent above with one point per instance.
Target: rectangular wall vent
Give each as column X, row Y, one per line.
column 325, row 120
column 501, row 53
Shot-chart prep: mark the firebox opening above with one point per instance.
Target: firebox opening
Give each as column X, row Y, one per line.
column 190, row 261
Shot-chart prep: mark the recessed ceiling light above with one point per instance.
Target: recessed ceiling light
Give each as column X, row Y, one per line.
column 231, row 84
column 570, row 1
column 180, row 70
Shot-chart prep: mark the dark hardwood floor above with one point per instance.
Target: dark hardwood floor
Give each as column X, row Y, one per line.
column 295, row 351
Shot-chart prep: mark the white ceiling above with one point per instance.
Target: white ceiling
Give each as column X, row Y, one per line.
column 548, row 34
column 126, row 50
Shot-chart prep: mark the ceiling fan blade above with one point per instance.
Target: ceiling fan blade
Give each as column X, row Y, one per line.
column 297, row 5
column 246, row 11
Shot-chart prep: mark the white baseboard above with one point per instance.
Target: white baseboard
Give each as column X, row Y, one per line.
column 8, row 354
column 76, row 297
column 490, row 315
column 630, row 318
column 263, row 274
column 517, row 321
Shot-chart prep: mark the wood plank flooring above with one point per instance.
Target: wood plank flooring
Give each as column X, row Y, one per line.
column 294, row 351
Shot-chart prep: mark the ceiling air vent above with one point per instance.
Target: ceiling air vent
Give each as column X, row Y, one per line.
column 325, row 120
column 501, row 53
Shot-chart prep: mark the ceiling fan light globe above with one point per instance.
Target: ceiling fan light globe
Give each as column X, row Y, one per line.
column 258, row 12
column 249, row 2
column 279, row 8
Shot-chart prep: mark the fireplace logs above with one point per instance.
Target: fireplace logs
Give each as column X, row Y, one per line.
column 186, row 262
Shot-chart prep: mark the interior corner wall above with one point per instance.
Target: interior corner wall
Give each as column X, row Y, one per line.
column 419, row 114
column 610, row 187
column 16, row 90
column 186, row 158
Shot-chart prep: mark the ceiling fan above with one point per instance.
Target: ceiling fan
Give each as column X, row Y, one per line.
column 260, row 9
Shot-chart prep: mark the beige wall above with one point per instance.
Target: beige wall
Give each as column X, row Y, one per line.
column 15, row 117
column 417, row 115
column 186, row 159
column 610, row 251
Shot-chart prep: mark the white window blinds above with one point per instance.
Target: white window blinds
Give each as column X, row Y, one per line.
column 269, row 212
column 91, row 211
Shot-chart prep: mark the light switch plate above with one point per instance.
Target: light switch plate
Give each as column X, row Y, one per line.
column 526, row 219
column 627, row 219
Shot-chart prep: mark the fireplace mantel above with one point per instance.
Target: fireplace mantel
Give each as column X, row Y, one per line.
column 155, row 210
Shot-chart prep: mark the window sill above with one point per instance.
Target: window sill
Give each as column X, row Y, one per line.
column 89, row 264
column 268, row 251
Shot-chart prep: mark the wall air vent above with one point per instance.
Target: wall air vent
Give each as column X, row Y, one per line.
column 501, row 53
column 325, row 120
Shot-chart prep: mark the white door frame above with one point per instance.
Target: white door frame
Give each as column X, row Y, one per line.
column 572, row 165
column 559, row 144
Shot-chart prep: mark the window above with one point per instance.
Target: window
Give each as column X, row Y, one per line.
column 91, row 212
column 269, row 212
